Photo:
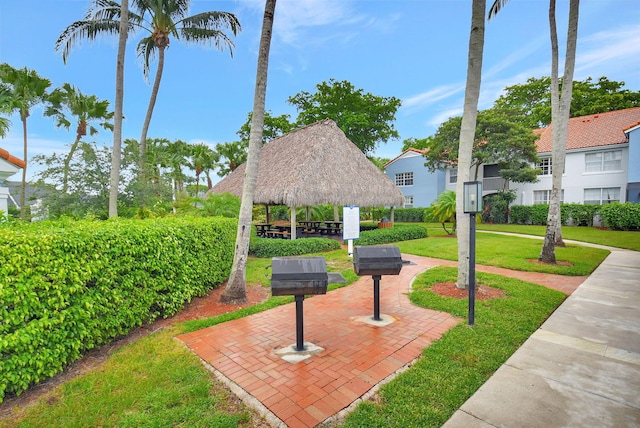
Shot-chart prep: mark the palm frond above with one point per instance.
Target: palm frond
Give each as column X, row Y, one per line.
column 495, row 8
column 146, row 50
column 80, row 30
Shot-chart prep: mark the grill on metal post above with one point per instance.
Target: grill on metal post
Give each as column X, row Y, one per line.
column 377, row 261
column 299, row 276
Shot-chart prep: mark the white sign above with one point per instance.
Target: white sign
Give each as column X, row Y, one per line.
column 350, row 223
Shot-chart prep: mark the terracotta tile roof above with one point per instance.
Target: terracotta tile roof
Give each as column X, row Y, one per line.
column 11, row 159
column 595, row 130
column 410, row 149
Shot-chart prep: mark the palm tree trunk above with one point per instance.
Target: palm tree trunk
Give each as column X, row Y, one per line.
column 23, row 185
column 67, row 162
column 147, row 119
column 116, row 155
column 467, row 135
column 560, row 123
column 235, row 290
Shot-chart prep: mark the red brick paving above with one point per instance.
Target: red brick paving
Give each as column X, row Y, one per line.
column 356, row 357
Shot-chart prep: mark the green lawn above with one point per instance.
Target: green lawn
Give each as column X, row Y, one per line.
column 613, row 238
column 510, row 252
column 154, row 381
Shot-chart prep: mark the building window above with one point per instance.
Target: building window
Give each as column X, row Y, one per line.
column 404, row 179
column 545, row 166
column 603, row 161
column 544, row 196
column 408, row 201
column 453, row 175
column 601, row 196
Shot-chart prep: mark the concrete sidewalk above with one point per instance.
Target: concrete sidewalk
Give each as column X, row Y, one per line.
column 581, row 368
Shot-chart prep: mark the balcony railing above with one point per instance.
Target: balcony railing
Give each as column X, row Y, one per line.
column 494, row 184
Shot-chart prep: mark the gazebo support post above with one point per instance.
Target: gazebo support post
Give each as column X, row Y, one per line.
column 268, row 215
column 392, row 214
column 293, row 222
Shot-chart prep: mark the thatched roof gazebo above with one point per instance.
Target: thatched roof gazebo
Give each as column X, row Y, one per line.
column 314, row 165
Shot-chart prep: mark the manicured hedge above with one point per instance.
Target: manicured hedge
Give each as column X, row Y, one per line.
column 577, row 214
column 621, row 216
column 269, row 247
column 392, row 234
column 69, row 287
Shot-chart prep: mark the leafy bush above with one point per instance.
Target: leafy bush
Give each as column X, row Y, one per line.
column 520, row 214
column 408, row 214
column 620, row 216
column 392, row 234
column 579, row 214
column 497, row 207
column 269, row 247
column 66, row 287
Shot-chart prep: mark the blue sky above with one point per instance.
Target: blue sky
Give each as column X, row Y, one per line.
column 414, row 50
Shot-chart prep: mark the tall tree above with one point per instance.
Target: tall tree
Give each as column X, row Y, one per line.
column 530, row 102
column 497, row 139
column 467, row 134
column 26, row 90
column 230, row 156
column 116, row 154
column 203, row 158
column 236, row 291
column 86, row 109
column 366, row 119
column 5, row 108
column 162, row 19
column 560, row 108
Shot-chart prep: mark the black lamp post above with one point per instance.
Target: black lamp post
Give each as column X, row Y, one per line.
column 472, row 205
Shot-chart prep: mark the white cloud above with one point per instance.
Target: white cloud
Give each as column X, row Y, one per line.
column 425, row 99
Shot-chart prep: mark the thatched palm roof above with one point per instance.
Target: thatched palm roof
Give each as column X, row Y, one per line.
column 315, row 165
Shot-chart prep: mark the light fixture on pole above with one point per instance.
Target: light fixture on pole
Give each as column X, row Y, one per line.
column 472, row 204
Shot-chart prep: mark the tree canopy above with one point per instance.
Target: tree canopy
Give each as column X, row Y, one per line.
column 498, row 139
column 530, row 102
column 366, row 119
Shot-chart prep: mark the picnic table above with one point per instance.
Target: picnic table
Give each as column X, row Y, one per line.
column 333, row 227
column 261, row 228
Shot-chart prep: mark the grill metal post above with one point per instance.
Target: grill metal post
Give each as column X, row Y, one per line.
column 376, row 297
column 299, row 324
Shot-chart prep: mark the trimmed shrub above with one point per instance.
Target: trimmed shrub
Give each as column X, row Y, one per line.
column 621, row 216
column 579, row 214
column 520, row 214
column 269, row 247
column 393, row 234
column 67, row 287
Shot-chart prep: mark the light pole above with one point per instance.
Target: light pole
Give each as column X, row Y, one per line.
column 472, row 205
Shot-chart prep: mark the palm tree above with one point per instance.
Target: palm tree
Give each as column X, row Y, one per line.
column 26, row 90
column 467, row 134
column 162, row 19
column 236, row 291
column 560, row 110
column 5, row 102
column 443, row 210
column 86, row 109
column 116, row 155
column 230, row 156
column 202, row 158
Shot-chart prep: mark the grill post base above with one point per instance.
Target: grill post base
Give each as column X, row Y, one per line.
column 376, row 297
column 299, row 324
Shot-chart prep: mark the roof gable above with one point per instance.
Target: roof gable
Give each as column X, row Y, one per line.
column 409, row 153
column 595, row 130
column 11, row 159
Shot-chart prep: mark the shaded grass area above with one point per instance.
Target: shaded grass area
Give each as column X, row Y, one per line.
column 153, row 382
column 511, row 252
column 613, row 238
column 454, row 367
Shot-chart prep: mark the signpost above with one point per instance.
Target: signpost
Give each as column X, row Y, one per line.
column 350, row 226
